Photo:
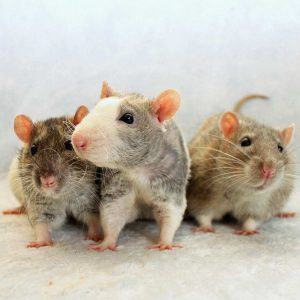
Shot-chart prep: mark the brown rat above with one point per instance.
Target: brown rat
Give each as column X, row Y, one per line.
column 50, row 181
column 241, row 167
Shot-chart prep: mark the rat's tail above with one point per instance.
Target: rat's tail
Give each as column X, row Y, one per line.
column 240, row 103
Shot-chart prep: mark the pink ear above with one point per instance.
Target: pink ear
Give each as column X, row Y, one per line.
column 106, row 91
column 228, row 124
column 23, row 127
column 287, row 134
column 81, row 112
column 166, row 105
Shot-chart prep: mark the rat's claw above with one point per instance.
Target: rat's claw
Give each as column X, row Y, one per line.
column 102, row 247
column 14, row 211
column 246, row 232
column 290, row 214
column 162, row 246
column 204, row 229
column 39, row 244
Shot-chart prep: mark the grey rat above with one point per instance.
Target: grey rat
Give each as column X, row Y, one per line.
column 146, row 158
column 241, row 167
column 50, row 181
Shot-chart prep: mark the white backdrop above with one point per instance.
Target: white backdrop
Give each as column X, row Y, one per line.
column 55, row 54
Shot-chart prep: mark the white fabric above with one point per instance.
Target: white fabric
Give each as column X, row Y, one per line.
column 210, row 266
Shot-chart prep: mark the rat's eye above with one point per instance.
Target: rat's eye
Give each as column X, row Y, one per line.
column 280, row 148
column 127, row 118
column 245, row 142
column 68, row 145
column 33, row 150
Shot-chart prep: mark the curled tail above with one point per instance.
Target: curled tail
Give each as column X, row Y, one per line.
column 240, row 103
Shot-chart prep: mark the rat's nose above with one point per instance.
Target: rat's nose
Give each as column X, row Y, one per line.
column 80, row 141
column 268, row 172
column 48, row 182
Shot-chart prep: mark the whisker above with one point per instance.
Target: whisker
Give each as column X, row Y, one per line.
column 220, row 151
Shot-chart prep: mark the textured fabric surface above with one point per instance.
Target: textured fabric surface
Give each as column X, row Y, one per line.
column 210, row 266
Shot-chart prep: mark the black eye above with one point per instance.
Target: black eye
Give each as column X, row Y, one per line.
column 127, row 118
column 280, row 148
column 245, row 142
column 68, row 145
column 33, row 150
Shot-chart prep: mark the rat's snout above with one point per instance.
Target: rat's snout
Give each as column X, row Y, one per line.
column 268, row 171
column 48, row 182
column 79, row 141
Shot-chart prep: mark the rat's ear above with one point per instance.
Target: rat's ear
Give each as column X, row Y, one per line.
column 166, row 105
column 23, row 127
column 228, row 124
column 287, row 134
column 81, row 112
column 106, row 91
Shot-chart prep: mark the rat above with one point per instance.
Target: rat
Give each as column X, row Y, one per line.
column 50, row 181
column 146, row 160
column 241, row 167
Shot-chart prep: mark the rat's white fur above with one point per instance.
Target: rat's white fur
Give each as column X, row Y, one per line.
column 100, row 130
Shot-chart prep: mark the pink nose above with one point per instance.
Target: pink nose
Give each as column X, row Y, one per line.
column 268, row 172
column 80, row 141
column 48, row 182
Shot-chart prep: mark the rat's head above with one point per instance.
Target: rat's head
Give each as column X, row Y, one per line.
column 256, row 155
column 48, row 163
column 124, row 130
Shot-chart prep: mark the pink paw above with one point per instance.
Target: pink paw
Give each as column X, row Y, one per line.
column 162, row 246
column 39, row 244
column 246, row 232
column 103, row 247
column 291, row 214
column 14, row 211
column 204, row 229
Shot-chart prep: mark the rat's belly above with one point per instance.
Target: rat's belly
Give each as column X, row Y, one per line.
column 255, row 205
column 144, row 202
column 144, row 196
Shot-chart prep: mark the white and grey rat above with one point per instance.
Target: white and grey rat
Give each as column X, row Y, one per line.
column 147, row 158
column 50, row 181
column 241, row 167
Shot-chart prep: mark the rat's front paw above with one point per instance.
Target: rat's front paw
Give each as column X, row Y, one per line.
column 104, row 246
column 39, row 244
column 165, row 246
column 204, row 229
column 246, row 232
column 290, row 214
